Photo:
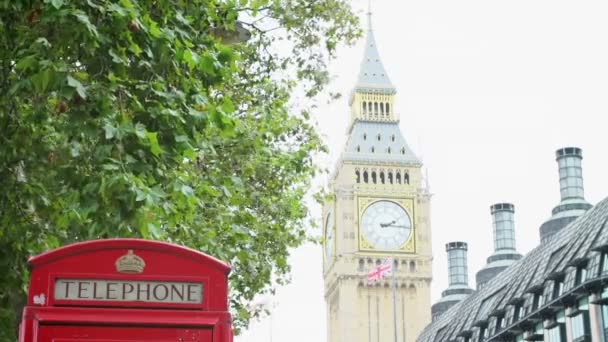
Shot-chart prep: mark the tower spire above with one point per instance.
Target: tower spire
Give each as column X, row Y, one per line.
column 369, row 15
column 372, row 75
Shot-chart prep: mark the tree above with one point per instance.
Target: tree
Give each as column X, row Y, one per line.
column 154, row 119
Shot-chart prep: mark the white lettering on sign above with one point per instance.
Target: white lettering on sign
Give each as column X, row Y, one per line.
column 129, row 291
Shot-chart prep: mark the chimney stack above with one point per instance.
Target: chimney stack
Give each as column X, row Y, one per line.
column 458, row 278
column 570, row 172
column 505, row 254
column 573, row 204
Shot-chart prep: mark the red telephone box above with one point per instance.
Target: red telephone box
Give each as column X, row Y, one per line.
column 124, row 290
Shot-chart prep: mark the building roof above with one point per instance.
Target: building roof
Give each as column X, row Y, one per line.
column 378, row 142
column 372, row 75
column 579, row 241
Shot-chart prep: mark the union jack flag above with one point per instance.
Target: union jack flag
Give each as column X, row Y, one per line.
column 380, row 271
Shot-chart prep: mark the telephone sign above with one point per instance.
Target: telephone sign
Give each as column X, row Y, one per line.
column 126, row 290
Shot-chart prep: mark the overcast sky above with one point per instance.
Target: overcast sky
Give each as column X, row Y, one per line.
column 487, row 91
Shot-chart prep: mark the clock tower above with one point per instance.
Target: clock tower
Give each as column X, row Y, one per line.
column 378, row 208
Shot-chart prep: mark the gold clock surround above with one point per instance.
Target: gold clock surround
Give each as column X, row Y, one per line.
column 408, row 246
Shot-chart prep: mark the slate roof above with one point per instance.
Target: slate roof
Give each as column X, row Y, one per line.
column 580, row 241
column 363, row 144
column 372, row 75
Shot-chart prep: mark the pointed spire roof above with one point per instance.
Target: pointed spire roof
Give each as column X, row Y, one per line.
column 372, row 75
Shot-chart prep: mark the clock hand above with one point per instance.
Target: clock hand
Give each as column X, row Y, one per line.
column 397, row 226
column 384, row 225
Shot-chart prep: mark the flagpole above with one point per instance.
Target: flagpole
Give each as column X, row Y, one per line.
column 394, row 301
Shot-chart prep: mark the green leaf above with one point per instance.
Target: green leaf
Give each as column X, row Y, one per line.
column 27, row 63
column 110, row 167
column 74, row 83
column 57, row 3
column 83, row 18
column 154, row 146
column 42, row 79
column 140, row 130
column 227, row 106
column 154, row 230
column 110, row 130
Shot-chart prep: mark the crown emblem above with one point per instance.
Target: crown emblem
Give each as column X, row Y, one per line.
column 130, row 263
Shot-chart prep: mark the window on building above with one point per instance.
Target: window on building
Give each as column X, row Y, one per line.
column 406, row 178
column 398, row 178
column 379, row 137
column 593, row 269
column 569, row 279
column 388, row 150
column 412, row 266
column 604, row 264
column 358, row 148
column 516, row 312
column 388, row 108
column 376, row 108
column 482, row 334
column 538, row 300
column 365, row 178
column 581, row 330
column 373, row 149
column 364, row 108
column 556, row 334
column 558, row 288
column 581, row 274
column 390, row 177
column 364, row 136
column 374, row 177
column 393, row 138
column 381, row 108
column 382, row 177
column 560, row 321
column 498, row 325
column 605, row 321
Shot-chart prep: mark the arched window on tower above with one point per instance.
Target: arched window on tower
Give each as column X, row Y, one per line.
column 388, row 150
column 364, row 107
column 365, row 180
column 381, row 108
column 358, row 148
column 382, row 177
column 412, row 290
column 358, row 176
column 369, row 108
column 388, row 108
column 406, row 178
column 376, row 108
column 390, row 177
column 373, row 149
column 374, row 177
column 398, row 177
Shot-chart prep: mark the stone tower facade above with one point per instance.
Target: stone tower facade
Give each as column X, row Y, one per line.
column 378, row 208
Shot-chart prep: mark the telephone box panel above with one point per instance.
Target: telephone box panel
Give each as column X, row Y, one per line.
column 61, row 333
column 127, row 290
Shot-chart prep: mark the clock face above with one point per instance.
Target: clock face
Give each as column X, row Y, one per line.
column 329, row 235
column 386, row 225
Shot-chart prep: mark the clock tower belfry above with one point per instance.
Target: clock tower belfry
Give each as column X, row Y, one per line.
column 379, row 208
